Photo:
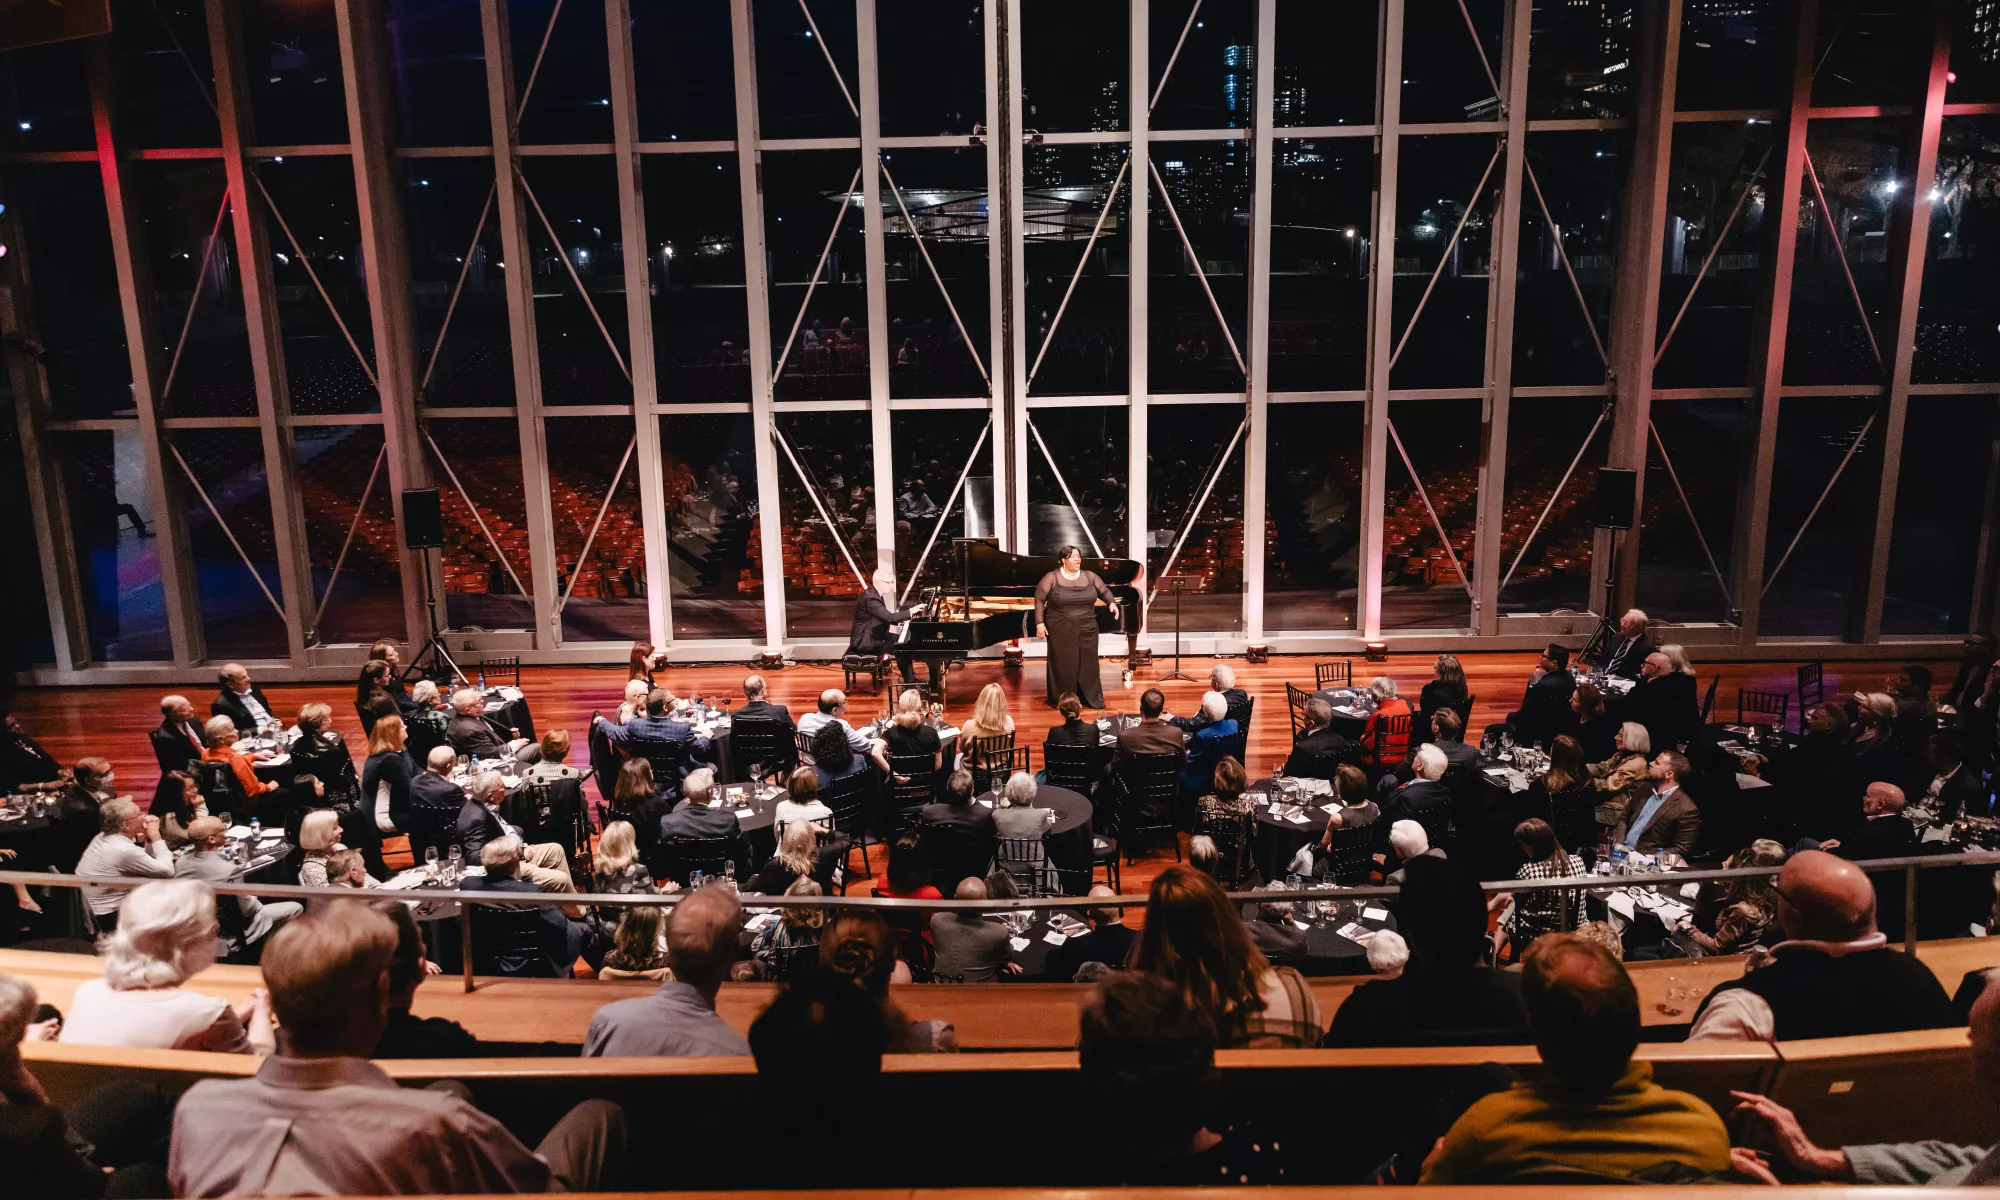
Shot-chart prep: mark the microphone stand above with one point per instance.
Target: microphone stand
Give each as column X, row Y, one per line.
column 1176, row 583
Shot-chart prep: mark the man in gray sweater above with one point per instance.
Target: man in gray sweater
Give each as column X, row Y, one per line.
column 1888, row 1164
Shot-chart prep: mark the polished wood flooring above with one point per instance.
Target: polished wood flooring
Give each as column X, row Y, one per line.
column 113, row 721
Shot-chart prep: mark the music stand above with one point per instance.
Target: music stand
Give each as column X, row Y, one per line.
column 1176, row 673
column 433, row 652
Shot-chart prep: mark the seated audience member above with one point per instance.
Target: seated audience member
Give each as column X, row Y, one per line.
column 1017, row 820
column 78, row 820
column 1884, row 832
column 798, row 857
column 177, row 803
column 989, row 717
column 565, row 936
column 1425, row 799
column 1074, row 730
column 1407, row 841
column 1834, row 975
column 907, row 735
column 970, row 947
column 797, row 926
column 820, row 1028
column 1540, row 912
column 1147, row 1055
column 435, row 801
column 222, row 736
column 1392, row 746
column 544, row 864
column 1108, row 943
column 22, row 758
column 1951, row 786
column 347, row 868
column 346, row 1128
column 1350, row 787
column 636, row 800
column 555, row 747
column 832, row 710
column 1388, row 954
column 801, row 802
column 833, row 758
column 1221, row 682
column 178, row 742
column 1890, row 1164
column 166, row 935
column 319, row 750
column 697, row 820
column 1593, row 1112
column 1629, row 742
column 1318, row 745
column 127, row 846
column 1208, row 745
column 1446, row 689
column 242, row 702
column 616, row 866
column 1593, row 728
column 860, row 946
column 207, row 858
column 1545, row 711
column 634, row 704
column 1273, row 933
column 386, row 777
column 319, row 836
column 1195, row 939
column 1743, row 909
column 907, row 874
column 1666, row 819
column 1152, row 735
column 1665, row 701
column 679, row 1019
column 635, row 948
column 757, row 708
column 1447, row 995
column 470, row 732
column 957, row 807
column 1629, row 652
column 406, row 1035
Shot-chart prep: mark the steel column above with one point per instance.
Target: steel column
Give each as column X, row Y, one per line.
column 1010, row 434
column 1257, row 447
column 1003, row 252
column 260, row 314
column 1139, row 274
column 1381, row 326
column 519, row 275
column 875, row 258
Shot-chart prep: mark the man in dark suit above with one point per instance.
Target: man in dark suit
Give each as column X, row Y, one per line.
column 1319, row 747
column 1884, row 832
column 242, row 701
column 694, row 820
column 1151, row 735
column 469, row 732
column 1973, row 669
column 563, row 938
column 479, row 817
column 958, row 834
column 1461, row 762
column 957, row 807
column 1423, row 800
column 776, row 717
column 1108, row 942
column 1629, row 653
column 177, row 742
column 1544, row 711
column 1950, row 788
column 25, row 760
column 870, row 634
column 1664, row 702
column 757, row 708
column 435, row 802
column 1273, row 932
column 1667, row 819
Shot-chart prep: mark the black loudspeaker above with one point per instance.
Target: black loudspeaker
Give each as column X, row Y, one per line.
column 423, row 520
column 1617, row 490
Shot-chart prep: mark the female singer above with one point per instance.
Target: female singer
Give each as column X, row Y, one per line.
column 1066, row 617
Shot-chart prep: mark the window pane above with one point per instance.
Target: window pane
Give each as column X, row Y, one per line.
column 933, row 66
column 1703, row 440
column 798, row 94
column 836, row 452
column 694, row 255
column 1065, row 189
column 316, row 197
column 569, row 99
column 1326, row 63
column 1975, row 55
column 1810, row 596
column 696, row 99
column 49, row 97
column 1447, row 347
column 79, row 322
column 22, row 604
column 1089, row 449
column 483, row 586
column 1732, row 55
column 608, row 601
column 717, row 566
column 1869, row 52
column 1322, row 194
column 1074, row 60
column 1958, row 314
column 1712, row 165
column 163, row 73
column 1858, row 168
column 1420, row 587
column 470, row 361
column 1186, row 444
column 194, row 262
column 335, row 463
column 438, row 54
column 828, row 357
column 1209, row 183
column 1580, row 61
column 945, row 192
column 292, row 63
column 1544, row 437
column 1210, row 86
column 237, row 620
column 1313, row 491
column 117, row 557
column 931, row 450
column 580, row 197
column 1580, row 176
column 1444, row 78
column 1934, row 549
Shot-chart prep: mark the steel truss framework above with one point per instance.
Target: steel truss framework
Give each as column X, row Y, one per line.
column 400, row 370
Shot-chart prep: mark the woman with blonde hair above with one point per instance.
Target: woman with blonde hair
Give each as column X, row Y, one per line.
column 318, row 751
column 1678, row 659
column 798, row 926
column 636, row 691
column 1195, row 939
column 989, row 715
column 166, row 934
column 798, row 857
column 319, row 836
column 616, row 864
column 908, row 736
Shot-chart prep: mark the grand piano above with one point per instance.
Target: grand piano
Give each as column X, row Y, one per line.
column 995, row 602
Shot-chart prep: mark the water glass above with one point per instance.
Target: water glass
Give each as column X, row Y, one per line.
column 228, row 821
column 431, row 861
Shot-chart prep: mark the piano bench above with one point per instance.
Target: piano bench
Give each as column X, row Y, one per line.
column 855, row 666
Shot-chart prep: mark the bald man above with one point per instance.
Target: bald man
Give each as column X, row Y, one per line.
column 1834, row 975
column 1884, row 832
column 679, row 1019
column 1108, row 941
column 1892, row 1164
column 971, row 948
column 207, row 858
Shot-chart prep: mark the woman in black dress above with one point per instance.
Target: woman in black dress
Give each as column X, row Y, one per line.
column 1066, row 617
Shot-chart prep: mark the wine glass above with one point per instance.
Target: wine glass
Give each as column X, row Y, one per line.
column 228, row 820
column 431, row 861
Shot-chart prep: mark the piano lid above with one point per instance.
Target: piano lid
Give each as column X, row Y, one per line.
column 987, row 567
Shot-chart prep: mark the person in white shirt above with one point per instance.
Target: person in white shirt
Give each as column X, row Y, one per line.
column 167, row 935
column 129, row 846
column 833, row 710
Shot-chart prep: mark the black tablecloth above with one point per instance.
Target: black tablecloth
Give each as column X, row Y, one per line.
column 1067, row 842
column 510, row 713
column 1327, row 952
column 1034, row 960
column 1278, row 839
column 1348, row 724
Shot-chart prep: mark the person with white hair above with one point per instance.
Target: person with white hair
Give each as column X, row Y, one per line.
column 1221, row 678
column 544, row 864
column 177, row 743
column 221, row 733
column 1382, row 745
column 1425, row 799
column 128, row 846
column 1665, row 701
column 1631, row 649
column 702, row 818
column 1209, row 745
column 470, row 732
column 1388, row 954
column 1017, row 820
column 166, row 935
column 873, row 631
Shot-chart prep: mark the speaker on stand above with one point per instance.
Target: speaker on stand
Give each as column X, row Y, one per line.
column 1614, row 505
column 423, row 530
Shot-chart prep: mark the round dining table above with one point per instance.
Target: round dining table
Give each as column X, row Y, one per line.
column 1067, row 842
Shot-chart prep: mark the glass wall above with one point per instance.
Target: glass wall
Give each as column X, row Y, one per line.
column 1430, row 512
column 1077, row 465
column 1689, row 516
column 715, row 568
column 1818, row 499
column 351, row 540
column 827, row 500
column 600, row 545
column 115, row 532
column 488, row 579
column 1312, row 534
column 1554, row 448
column 231, row 541
column 1948, row 454
column 1194, row 516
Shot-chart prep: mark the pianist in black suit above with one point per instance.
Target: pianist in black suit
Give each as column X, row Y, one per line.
column 1066, row 617
column 873, row 617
